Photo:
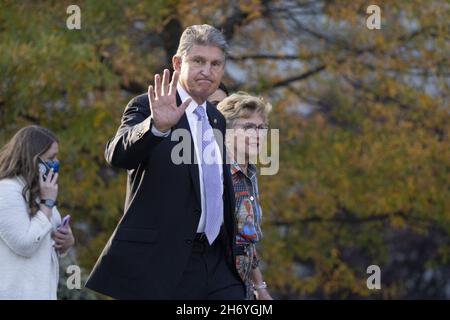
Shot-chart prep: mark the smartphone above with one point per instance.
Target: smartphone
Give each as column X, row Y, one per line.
column 43, row 168
column 65, row 221
column 46, row 166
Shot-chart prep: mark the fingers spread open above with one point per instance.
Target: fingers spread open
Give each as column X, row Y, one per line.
column 157, row 86
column 151, row 94
column 173, row 83
column 165, row 82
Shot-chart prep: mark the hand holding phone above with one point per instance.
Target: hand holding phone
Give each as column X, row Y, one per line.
column 65, row 221
column 46, row 166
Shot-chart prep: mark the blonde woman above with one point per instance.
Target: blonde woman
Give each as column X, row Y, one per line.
column 246, row 118
column 31, row 234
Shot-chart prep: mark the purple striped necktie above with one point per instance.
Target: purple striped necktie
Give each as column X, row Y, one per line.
column 209, row 160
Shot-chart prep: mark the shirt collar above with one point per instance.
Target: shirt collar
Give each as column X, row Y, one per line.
column 235, row 167
column 184, row 95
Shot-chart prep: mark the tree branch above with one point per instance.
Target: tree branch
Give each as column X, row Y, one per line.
column 264, row 57
column 237, row 18
column 302, row 76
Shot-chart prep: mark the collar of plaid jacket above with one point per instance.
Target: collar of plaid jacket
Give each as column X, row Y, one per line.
column 235, row 167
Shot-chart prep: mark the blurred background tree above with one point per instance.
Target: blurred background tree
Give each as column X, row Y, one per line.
column 363, row 118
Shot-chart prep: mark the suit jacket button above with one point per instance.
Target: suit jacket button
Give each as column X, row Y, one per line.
column 189, row 241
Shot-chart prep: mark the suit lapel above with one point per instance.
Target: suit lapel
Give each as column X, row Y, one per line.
column 211, row 117
column 193, row 167
column 214, row 122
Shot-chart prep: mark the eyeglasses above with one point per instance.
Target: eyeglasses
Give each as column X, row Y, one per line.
column 251, row 126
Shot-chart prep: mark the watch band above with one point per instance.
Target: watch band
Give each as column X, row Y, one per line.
column 48, row 202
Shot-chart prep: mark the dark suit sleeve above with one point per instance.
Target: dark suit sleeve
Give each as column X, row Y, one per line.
column 134, row 140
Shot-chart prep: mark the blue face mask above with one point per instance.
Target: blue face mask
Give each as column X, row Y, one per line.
column 45, row 166
column 53, row 164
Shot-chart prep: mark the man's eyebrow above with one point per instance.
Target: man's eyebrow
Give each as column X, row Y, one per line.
column 198, row 57
column 204, row 58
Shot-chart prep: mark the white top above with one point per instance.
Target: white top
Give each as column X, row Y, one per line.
column 29, row 266
column 194, row 124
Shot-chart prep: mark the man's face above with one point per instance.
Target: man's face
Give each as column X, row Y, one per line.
column 201, row 71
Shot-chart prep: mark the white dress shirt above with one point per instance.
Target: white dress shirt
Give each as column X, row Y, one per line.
column 194, row 126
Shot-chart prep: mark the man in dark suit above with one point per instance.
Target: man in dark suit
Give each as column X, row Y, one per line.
column 175, row 239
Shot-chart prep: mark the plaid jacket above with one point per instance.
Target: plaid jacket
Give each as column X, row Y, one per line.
column 247, row 219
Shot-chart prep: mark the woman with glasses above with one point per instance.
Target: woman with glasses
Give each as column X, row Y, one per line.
column 246, row 118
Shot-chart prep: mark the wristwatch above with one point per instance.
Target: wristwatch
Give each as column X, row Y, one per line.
column 262, row 285
column 48, row 203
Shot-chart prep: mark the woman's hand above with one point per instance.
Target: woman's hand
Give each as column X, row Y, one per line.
column 63, row 238
column 48, row 187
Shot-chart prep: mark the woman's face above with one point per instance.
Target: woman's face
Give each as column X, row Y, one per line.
column 51, row 153
column 248, row 134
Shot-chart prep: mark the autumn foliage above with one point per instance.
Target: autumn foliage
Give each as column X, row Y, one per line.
column 363, row 117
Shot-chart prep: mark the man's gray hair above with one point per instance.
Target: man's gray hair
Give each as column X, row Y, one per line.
column 205, row 35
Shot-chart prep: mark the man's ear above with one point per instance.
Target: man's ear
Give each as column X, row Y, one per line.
column 176, row 63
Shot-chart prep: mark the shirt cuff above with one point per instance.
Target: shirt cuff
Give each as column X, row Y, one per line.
column 158, row 133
